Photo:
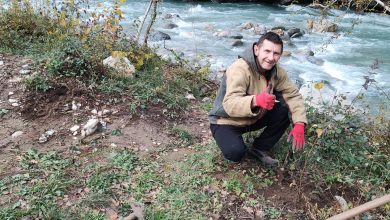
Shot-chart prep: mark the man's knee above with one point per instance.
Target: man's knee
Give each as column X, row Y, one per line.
column 234, row 155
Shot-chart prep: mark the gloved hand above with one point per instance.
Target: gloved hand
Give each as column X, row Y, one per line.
column 265, row 100
column 298, row 133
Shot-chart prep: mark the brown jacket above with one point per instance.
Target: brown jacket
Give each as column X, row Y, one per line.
column 242, row 81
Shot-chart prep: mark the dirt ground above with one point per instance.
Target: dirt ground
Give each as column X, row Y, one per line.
column 43, row 122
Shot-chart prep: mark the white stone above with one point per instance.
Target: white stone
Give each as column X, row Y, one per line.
column 42, row 139
column 50, row 132
column 17, row 134
column 15, row 104
column 74, row 106
column 1, row 62
column 90, row 127
column 10, row 93
column 74, row 128
column 121, row 65
column 75, row 133
column 106, row 112
column 190, row 97
column 25, row 66
column 94, row 111
column 12, row 100
column 24, row 72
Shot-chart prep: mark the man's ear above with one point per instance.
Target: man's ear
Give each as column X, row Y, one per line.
column 255, row 49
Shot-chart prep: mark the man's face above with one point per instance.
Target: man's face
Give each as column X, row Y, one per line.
column 267, row 54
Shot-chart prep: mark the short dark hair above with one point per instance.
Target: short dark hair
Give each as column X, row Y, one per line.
column 271, row 36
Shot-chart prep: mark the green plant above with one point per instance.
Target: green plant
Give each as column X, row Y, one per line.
column 233, row 185
column 37, row 82
column 272, row 212
column 124, row 159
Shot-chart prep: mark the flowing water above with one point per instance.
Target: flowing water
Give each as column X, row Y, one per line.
column 341, row 62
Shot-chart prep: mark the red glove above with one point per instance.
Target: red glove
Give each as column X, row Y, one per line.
column 265, row 100
column 298, row 133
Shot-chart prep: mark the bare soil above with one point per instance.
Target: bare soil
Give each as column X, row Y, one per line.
column 36, row 113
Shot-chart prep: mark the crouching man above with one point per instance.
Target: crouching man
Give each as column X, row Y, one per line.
column 256, row 93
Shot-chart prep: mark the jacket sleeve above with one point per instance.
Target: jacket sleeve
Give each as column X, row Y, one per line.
column 292, row 96
column 237, row 103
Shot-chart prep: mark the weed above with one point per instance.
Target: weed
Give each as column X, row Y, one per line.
column 272, row 212
column 101, row 182
column 124, row 159
column 233, row 185
column 3, row 111
column 184, row 136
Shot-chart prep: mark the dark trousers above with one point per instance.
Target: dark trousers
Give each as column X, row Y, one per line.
column 229, row 137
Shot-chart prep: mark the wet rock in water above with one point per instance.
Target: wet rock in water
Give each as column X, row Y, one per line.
column 238, row 36
column 296, row 35
column 237, row 43
column 260, row 30
column 159, row 36
column 247, row 25
column 286, row 53
column 171, row 26
column 315, row 60
column 293, row 31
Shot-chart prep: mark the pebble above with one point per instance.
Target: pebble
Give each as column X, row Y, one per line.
column 1, row 62
column 12, row 100
column 94, row 111
column 74, row 128
column 15, row 104
column 24, row 72
column 10, row 93
column 42, row 139
column 17, row 134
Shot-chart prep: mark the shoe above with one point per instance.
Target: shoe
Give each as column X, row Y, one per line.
column 264, row 157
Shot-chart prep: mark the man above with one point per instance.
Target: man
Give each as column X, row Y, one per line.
column 255, row 93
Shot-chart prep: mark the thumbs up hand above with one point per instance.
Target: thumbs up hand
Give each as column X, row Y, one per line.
column 265, row 100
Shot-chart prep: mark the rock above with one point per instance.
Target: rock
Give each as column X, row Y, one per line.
column 50, row 132
column 206, row 99
column 296, row 35
column 314, row 60
column 90, row 127
column 247, row 25
column 293, row 31
column 278, row 28
column 74, row 128
column 15, row 104
column 170, row 16
column 190, row 97
column 24, row 72
column 106, row 112
column 260, row 30
column 159, row 36
column 12, row 100
column 10, row 93
column 170, row 26
column 42, row 139
column 17, row 134
column 1, row 62
column 94, row 111
column 279, row 32
column 74, row 106
column 321, row 26
column 121, row 65
column 237, row 43
column 286, row 53
column 238, row 36
column 223, row 34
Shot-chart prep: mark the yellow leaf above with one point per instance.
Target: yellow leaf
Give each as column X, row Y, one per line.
column 99, row 5
column 122, row 1
column 319, row 132
column 319, row 85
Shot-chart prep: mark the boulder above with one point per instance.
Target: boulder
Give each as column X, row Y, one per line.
column 247, row 25
column 170, row 26
column 321, row 26
column 260, row 30
column 121, row 65
column 238, row 36
column 159, row 36
column 237, row 43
